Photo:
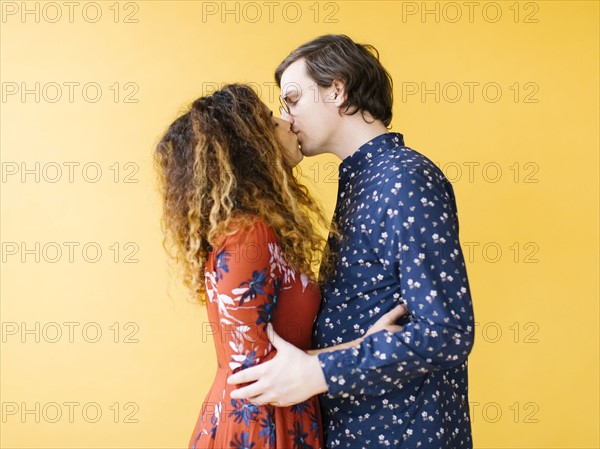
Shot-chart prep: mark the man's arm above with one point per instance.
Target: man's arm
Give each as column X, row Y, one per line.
column 422, row 238
column 293, row 375
column 432, row 273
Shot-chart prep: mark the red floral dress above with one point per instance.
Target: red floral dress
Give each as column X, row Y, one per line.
column 250, row 284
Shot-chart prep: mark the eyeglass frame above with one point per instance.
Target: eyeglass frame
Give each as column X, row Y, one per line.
column 284, row 107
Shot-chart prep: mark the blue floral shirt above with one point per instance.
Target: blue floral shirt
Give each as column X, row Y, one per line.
column 397, row 215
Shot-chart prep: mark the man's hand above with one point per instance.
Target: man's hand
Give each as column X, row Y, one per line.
column 292, row 376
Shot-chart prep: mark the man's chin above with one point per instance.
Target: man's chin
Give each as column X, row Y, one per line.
column 305, row 150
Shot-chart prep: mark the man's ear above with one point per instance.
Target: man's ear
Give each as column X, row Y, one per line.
column 339, row 92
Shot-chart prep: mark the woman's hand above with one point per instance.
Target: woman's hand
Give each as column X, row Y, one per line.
column 388, row 321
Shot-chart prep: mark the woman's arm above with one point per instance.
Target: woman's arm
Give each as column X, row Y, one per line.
column 386, row 322
column 247, row 296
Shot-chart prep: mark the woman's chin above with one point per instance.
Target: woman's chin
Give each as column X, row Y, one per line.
column 297, row 161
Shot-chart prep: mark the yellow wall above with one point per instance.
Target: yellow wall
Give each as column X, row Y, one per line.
column 507, row 105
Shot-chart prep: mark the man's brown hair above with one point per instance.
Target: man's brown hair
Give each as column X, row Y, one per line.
column 337, row 57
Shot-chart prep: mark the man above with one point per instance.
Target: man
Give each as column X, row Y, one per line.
column 405, row 388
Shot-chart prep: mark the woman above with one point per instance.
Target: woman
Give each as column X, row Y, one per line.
column 242, row 227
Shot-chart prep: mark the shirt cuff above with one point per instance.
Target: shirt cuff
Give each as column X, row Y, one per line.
column 337, row 369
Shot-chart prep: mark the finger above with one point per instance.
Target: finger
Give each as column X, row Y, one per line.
column 397, row 312
column 249, row 392
column 247, row 375
column 269, row 399
column 260, row 400
column 274, row 338
column 393, row 328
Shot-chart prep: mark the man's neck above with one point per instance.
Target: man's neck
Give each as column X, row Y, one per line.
column 353, row 133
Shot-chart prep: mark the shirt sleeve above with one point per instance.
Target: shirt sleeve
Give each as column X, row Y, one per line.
column 247, row 287
column 419, row 234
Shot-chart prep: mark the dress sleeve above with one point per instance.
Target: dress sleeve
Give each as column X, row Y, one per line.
column 247, row 288
column 419, row 233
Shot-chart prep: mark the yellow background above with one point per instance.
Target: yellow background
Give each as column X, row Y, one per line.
column 534, row 384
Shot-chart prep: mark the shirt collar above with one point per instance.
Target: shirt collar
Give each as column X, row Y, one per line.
column 369, row 150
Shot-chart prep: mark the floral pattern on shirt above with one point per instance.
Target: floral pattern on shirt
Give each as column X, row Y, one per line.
column 397, row 214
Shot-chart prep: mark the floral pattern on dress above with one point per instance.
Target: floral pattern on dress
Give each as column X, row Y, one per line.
column 244, row 294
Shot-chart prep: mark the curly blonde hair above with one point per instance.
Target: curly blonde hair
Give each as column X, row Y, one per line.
column 219, row 165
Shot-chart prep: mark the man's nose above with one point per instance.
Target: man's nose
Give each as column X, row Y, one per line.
column 287, row 117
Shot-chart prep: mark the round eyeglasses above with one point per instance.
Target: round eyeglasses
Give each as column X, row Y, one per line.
column 284, row 106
